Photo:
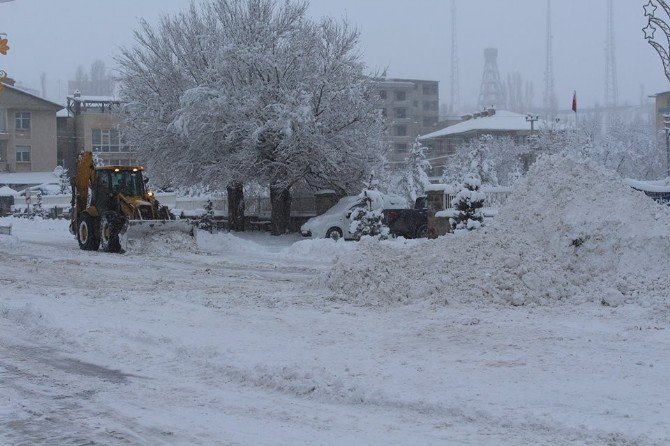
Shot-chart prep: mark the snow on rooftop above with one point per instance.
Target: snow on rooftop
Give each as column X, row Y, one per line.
column 502, row 120
column 27, row 178
column 658, row 186
column 64, row 113
column 92, row 98
column 8, row 192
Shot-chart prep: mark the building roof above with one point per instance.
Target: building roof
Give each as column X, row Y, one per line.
column 91, row 98
column 64, row 113
column 501, row 121
column 33, row 96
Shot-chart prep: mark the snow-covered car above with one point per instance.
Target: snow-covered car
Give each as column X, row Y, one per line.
column 335, row 223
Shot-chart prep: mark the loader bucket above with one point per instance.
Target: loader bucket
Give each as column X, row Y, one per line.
column 141, row 235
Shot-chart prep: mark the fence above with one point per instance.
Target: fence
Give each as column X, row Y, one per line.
column 255, row 206
column 496, row 197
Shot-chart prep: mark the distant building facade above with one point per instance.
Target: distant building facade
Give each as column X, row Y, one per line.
column 410, row 108
column 27, row 132
column 89, row 124
column 498, row 123
column 662, row 107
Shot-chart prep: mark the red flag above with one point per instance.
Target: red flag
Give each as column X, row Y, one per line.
column 574, row 102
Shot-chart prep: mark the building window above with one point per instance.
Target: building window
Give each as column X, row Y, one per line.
column 401, row 113
column 22, row 120
column 429, row 89
column 384, row 113
column 400, row 147
column 382, row 94
column 430, row 105
column 400, row 130
column 400, row 95
column 106, row 140
column 429, row 121
column 3, row 120
column 22, row 154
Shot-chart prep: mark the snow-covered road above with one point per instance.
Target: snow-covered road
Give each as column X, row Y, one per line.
column 241, row 343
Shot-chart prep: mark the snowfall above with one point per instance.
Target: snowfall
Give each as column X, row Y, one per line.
column 550, row 325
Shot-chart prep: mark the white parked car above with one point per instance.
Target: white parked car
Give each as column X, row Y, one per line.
column 335, row 223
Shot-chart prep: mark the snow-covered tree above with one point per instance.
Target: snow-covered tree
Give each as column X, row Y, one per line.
column 63, row 180
column 38, row 210
column 97, row 161
column 240, row 90
column 468, row 204
column 476, row 157
column 206, row 222
column 412, row 178
column 364, row 220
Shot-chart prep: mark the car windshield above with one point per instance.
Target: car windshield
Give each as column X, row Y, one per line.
column 128, row 183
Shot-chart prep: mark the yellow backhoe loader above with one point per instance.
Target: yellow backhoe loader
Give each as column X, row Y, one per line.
column 110, row 203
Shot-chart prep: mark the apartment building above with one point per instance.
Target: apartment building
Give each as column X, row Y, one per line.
column 27, row 131
column 411, row 108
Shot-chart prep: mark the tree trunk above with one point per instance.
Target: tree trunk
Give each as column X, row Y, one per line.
column 235, row 206
column 280, row 199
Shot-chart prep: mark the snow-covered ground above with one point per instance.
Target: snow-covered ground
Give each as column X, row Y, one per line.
column 258, row 340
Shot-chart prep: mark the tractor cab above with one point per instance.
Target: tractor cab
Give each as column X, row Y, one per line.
column 128, row 181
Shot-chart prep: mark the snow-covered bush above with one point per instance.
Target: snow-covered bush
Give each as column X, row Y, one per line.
column 468, row 204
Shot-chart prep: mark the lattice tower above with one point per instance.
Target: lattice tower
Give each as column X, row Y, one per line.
column 491, row 92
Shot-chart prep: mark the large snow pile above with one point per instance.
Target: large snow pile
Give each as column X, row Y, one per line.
column 571, row 231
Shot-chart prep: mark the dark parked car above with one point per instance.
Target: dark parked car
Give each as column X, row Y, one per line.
column 408, row 223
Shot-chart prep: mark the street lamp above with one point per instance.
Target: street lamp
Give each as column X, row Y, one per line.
column 532, row 119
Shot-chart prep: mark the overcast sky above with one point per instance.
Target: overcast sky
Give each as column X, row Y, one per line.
column 411, row 38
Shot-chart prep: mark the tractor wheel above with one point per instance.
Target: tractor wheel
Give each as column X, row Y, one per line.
column 109, row 234
column 86, row 235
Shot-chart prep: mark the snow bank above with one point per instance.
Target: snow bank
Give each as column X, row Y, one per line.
column 9, row 241
column 319, row 249
column 571, row 231
column 225, row 242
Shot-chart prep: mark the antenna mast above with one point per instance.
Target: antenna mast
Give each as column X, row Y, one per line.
column 549, row 97
column 611, row 85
